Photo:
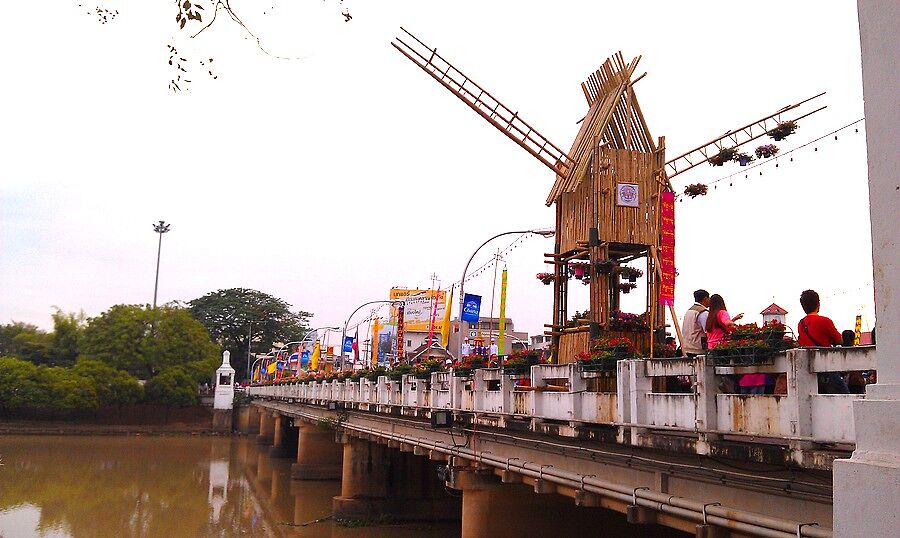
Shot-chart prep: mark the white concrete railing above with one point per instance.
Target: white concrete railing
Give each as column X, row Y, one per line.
column 574, row 396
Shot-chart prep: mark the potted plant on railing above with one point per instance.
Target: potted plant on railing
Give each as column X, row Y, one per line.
column 520, row 362
column 375, row 373
column 620, row 348
column 744, row 159
column 596, row 361
column 746, row 331
column 725, row 155
column 396, row 373
column 359, row 374
column 425, row 368
column 546, row 278
column 783, row 130
column 580, row 269
column 604, row 266
column 766, row 150
column 630, row 273
column 695, row 189
column 773, row 331
column 741, row 352
column 467, row 365
column 626, row 321
column 626, row 287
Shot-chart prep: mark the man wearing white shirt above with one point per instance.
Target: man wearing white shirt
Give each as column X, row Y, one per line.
column 693, row 327
column 466, row 349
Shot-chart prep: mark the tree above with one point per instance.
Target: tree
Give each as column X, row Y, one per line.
column 227, row 315
column 67, row 332
column 173, row 387
column 19, row 386
column 68, row 391
column 26, row 342
column 114, row 387
column 26, row 387
column 143, row 342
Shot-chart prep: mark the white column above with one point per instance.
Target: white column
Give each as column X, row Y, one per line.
column 867, row 486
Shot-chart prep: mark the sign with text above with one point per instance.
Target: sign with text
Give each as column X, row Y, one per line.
column 627, row 194
column 471, row 308
column 401, row 319
column 667, row 249
column 419, row 306
column 348, row 344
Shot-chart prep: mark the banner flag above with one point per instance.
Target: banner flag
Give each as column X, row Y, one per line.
column 401, row 320
column 375, row 328
column 356, row 346
column 304, row 359
column 445, row 327
column 667, row 249
column 348, row 344
column 471, row 308
column 314, row 360
column 502, row 327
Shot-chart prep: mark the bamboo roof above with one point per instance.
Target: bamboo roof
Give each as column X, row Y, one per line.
column 614, row 118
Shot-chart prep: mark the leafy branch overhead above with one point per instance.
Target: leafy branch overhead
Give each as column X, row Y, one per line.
column 188, row 12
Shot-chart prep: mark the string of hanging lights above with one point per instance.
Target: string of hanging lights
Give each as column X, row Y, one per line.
column 699, row 189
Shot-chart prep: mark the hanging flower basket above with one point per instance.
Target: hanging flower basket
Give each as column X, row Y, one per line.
column 626, row 287
column 695, row 189
column 546, row 278
column 579, row 269
column 604, row 267
column 630, row 273
column 783, row 130
column 744, row 159
column 586, row 280
column 725, row 155
column 766, row 150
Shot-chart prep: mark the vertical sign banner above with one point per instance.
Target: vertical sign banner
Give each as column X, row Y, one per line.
column 667, row 249
column 502, row 328
column 376, row 327
column 400, row 315
column 348, row 344
column 857, row 331
column 471, row 308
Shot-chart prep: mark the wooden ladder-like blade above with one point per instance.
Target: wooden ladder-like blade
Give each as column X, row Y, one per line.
column 482, row 102
column 735, row 138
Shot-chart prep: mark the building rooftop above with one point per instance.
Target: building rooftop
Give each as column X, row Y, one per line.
column 774, row 309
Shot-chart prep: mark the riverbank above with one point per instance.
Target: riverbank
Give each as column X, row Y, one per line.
column 133, row 420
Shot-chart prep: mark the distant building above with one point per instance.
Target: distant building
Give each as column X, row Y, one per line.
column 774, row 312
column 540, row 341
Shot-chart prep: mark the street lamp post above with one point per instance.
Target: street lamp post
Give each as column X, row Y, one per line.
column 344, row 334
column 303, row 339
column 160, row 228
column 463, row 326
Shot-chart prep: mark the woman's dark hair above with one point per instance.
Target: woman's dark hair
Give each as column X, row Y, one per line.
column 716, row 303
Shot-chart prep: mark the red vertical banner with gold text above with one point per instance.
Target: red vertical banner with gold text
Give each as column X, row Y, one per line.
column 400, row 312
column 667, row 249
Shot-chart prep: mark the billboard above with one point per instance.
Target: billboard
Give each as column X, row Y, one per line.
column 417, row 311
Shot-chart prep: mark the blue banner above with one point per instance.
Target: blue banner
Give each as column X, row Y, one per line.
column 348, row 344
column 471, row 308
column 304, row 358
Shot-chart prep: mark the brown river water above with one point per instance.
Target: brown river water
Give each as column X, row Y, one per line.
column 77, row 486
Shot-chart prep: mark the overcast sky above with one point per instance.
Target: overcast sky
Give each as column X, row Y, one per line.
column 329, row 178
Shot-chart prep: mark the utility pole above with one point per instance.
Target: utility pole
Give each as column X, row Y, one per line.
column 160, row 228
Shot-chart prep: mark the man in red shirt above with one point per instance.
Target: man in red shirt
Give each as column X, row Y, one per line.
column 818, row 331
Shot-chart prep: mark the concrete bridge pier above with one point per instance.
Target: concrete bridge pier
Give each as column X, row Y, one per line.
column 248, row 419
column 319, row 457
column 492, row 508
column 381, row 483
column 266, row 428
column 281, row 435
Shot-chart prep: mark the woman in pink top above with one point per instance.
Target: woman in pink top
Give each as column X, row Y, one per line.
column 718, row 324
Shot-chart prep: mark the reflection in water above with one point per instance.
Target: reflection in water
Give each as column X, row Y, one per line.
column 164, row 486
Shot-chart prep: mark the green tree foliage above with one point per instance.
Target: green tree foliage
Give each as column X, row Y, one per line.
column 173, row 387
column 25, row 341
column 114, row 387
column 67, row 332
column 144, row 342
column 227, row 315
column 27, row 387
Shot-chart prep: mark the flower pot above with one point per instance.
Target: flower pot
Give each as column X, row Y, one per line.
column 744, row 161
column 579, row 271
column 632, row 278
column 626, row 290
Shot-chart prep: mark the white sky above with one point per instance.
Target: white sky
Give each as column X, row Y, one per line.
column 327, row 180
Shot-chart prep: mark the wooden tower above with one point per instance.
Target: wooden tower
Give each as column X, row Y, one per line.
column 612, row 193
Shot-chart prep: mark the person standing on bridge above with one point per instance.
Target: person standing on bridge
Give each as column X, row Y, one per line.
column 694, row 325
column 818, row 331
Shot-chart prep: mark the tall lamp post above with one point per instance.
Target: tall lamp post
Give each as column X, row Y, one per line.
column 160, row 228
column 344, row 334
column 463, row 326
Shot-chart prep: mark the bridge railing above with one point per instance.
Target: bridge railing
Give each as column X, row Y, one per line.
column 633, row 397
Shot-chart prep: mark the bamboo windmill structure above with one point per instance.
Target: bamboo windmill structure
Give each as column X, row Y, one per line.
column 612, row 191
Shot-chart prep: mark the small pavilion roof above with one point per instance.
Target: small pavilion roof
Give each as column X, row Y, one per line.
column 773, row 309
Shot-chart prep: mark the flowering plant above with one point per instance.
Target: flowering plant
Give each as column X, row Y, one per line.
column 546, row 278
column 626, row 287
column 766, row 151
column 576, row 318
column 375, row 373
column 580, row 269
column 725, row 155
column 463, row 367
column 629, row 272
column 625, row 321
column 782, row 130
column 744, row 159
column 620, row 347
column 604, row 266
column 695, row 189
column 586, row 280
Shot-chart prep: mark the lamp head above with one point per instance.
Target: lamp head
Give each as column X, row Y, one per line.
column 545, row 232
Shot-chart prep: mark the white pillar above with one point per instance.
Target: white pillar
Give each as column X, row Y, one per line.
column 867, row 486
column 224, row 384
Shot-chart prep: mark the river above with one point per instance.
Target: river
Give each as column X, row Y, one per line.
column 84, row 486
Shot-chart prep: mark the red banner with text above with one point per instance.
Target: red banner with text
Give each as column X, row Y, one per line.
column 667, row 249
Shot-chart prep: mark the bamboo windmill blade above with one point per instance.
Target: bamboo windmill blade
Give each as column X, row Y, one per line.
column 482, row 102
column 736, row 137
